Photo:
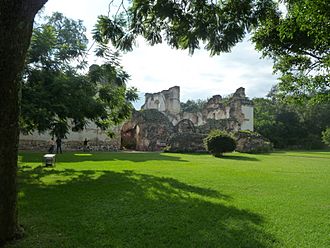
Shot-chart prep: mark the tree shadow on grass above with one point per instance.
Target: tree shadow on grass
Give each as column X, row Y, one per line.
column 28, row 157
column 127, row 209
column 239, row 158
column 236, row 156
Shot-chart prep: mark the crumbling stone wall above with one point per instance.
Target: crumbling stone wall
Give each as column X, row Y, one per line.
column 186, row 142
column 148, row 130
column 70, row 145
column 237, row 110
column 160, row 122
column 185, row 126
column 224, row 124
column 237, row 107
column 165, row 101
column 251, row 142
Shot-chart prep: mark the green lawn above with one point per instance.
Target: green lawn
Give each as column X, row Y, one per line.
column 175, row 200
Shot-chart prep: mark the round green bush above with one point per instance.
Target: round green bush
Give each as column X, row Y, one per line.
column 218, row 142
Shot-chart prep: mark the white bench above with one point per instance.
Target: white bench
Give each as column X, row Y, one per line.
column 49, row 159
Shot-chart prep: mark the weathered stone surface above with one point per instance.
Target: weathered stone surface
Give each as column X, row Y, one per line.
column 251, row 142
column 186, row 142
column 237, row 107
column 148, row 130
column 226, row 124
column 240, row 93
column 161, row 118
column 70, row 145
column 33, row 145
column 195, row 118
column 98, row 140
column 185, row 126
column 164, row 101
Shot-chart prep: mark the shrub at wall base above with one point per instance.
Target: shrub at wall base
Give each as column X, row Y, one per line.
column 219, row 142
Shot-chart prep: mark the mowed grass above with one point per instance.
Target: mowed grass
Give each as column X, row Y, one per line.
column 175, row 200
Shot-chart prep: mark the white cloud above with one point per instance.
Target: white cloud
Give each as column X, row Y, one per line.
column 156, row 68
column 153, row 69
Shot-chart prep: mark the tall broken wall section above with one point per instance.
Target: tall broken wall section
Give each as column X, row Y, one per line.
column 165, row 101
column 237, row 110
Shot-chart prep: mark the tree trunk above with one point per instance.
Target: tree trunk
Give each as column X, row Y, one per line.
column 16, row 21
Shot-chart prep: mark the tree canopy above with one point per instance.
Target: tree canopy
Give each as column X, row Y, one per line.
column 184, row 24
column 297, row 41
column 193, row 106
column 299, row 44
column 57, row 94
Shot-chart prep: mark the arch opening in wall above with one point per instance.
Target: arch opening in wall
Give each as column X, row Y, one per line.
column 129, row 138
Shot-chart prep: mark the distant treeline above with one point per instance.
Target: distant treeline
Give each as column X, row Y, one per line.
column 290, row 125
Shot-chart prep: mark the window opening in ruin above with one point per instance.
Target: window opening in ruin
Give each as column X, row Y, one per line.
column 157, row 103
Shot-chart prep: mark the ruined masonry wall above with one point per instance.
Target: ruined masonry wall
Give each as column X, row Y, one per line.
column 247, row 124
column 237, row 107
column 97, row 140
column 164, row 101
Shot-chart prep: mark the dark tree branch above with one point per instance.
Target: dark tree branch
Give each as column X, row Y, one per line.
column 310, row 54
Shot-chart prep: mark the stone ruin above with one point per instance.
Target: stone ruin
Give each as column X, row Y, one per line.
column 161, row 123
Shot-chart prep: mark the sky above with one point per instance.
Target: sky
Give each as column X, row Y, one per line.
column 156, row 68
